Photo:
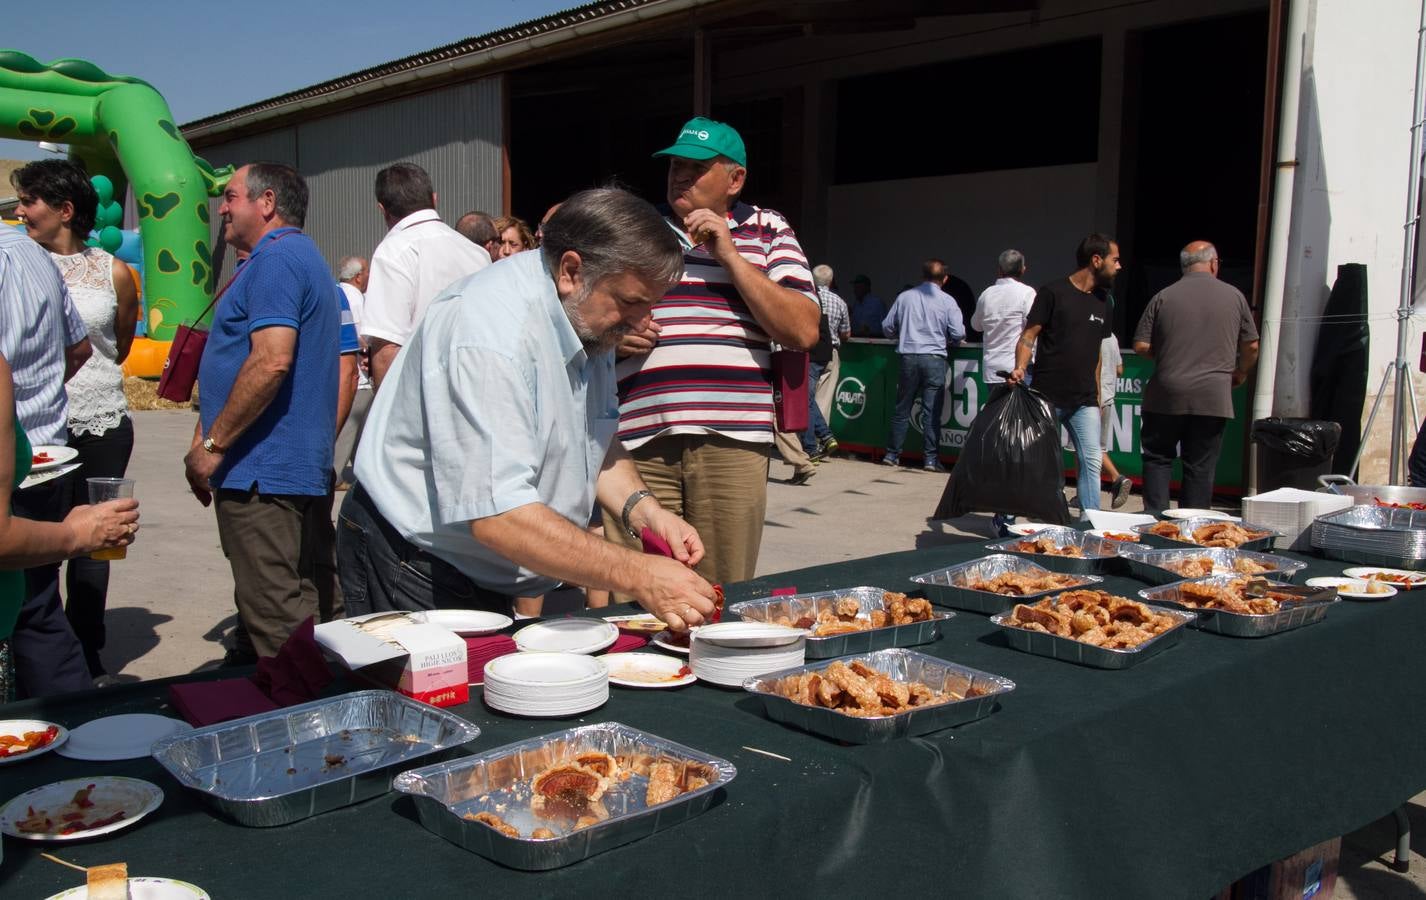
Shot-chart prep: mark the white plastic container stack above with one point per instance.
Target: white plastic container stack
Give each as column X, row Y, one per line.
column 1291, row 511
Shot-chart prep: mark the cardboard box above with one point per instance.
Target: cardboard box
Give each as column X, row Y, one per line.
column 424, row 662
column 1311, row 873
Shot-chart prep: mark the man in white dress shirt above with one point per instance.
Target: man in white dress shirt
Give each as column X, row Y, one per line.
column 418, row 259
column 999, row 315
column 496, row 431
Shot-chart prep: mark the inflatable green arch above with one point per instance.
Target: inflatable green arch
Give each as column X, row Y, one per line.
column 120, row 127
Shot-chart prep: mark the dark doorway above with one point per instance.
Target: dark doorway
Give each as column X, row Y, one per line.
column 1192, row 142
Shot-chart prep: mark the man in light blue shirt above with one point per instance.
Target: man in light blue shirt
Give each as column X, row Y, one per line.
column 495, row 430
column 926, row 323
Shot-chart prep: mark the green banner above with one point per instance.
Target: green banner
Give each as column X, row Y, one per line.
column 866, row 398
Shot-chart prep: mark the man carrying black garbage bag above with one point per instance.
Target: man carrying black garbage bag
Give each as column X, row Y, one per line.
column 1010, row 462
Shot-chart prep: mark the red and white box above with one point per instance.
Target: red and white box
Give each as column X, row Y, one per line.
column 424, row 662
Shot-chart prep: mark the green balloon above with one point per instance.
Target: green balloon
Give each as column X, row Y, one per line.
column 104, row 188
column 111, row 239
column 111, row 214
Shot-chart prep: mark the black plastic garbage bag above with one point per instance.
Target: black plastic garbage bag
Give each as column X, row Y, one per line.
column 1011, row 461
column 1305, row 440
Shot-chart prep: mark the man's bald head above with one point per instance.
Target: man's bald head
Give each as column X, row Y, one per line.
column 1199, row 256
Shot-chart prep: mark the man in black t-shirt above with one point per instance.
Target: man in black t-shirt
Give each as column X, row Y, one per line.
column 1068, row 321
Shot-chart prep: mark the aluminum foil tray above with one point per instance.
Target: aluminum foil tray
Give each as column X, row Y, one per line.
column 947, row 587
column 282, row 766
column 1370, row 558
column 796, row 606
column 901, row 665
column 1373, row 535
column 1040, row 643
column 1186, row 527
column 1218, row 621
column 1100, row 555
column 1147, row 564
column 498, row 781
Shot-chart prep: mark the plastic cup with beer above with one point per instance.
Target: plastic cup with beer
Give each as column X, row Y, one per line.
column 101, row 489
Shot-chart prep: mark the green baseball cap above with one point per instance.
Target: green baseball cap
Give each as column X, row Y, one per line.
column 702, row 138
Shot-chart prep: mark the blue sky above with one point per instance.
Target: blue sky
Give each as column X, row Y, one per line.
column 204, row 62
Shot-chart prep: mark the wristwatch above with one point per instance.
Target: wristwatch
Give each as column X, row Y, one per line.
column 211, row 446
column 629, row 505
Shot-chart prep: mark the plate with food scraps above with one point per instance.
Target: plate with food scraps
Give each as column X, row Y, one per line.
column 79, row 808
column 1188, row 512
column 672, row 641
column 1355, row 588
column 1023, row 528
column 567, row 636
column 50, row 456
column 144, row 888
column 130, row 736
column 464, row 622
column 647, row 670
column 27, row 738
column 644, row 623
column 1398, row 578
column 1127, row 537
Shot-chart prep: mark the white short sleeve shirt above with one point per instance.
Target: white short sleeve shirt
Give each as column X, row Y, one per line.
column 418, row 259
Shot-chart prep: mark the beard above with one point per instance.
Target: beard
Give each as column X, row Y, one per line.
column 1104, row 277
column 594, row 342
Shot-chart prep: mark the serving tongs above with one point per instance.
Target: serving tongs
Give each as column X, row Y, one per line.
column 1261, row 587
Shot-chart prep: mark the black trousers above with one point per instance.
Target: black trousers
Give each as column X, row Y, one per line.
column 48, row 657
column 1197, row 441
column 381, row 571
column 86, row 581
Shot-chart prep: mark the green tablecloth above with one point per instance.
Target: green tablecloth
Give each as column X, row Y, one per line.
column 1170, row 779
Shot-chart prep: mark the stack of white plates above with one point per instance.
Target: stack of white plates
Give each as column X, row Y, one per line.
column 1292, row 511
column 546, row 684
column 728, row 653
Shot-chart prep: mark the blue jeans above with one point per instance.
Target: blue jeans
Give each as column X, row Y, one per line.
column 923, row 375
column 817, row 429
column 1083, row 425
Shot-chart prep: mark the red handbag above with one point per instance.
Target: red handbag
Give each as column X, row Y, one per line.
column 180, row 370
column 789, row 390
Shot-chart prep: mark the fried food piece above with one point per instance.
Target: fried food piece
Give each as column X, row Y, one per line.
column 493, row 821
column 1244, row 566
column 1013, row 584
column 880, row 618
column 853, row 685
column 1047, row 547
column 602, row 763
column 832, row 629
column 1167, row 529
column 1092, row 617
column 1193, row 567
column 567, row 784
column 1048, row 619
column 663, row 783
column 542, row 834
column 847, row 609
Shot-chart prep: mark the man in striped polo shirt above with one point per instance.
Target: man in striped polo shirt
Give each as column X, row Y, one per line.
column 695, row 387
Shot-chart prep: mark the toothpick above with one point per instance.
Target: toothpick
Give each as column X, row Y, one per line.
column 768, row 753
column 63, row 863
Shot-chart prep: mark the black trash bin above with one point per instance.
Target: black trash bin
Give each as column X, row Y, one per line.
column 1293, row 452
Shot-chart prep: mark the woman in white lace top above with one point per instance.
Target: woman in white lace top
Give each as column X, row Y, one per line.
column 58, row 206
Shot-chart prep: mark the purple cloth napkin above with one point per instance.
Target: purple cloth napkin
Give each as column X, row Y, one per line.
column 297, row 673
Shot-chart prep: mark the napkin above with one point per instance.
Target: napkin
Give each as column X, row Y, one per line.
column 297, row 674
column 481, row 650
column 627, row 643
column 659, row 547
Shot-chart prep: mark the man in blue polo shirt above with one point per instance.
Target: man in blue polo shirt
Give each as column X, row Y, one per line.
column 267, row 408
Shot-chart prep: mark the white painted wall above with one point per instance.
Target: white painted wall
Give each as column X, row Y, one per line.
column 886, row 228
column 1349, row 204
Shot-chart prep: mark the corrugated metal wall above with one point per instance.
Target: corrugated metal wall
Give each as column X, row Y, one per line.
column 454, row 133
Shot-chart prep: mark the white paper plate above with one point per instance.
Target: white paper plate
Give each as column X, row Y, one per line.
column 58, row 456
column 111, row 793
column 1352, row 588
column 646, row 670
column 120, row 737
column 567, row 636
column 464, row 622
column 1117, row 521
column 1108, row 533
column 1024, row 528
column 17, row 727
column 1418, row 579
column 1190, row 513
column 145, row 889
column 663, row 641
column 748, row 634
column 545, row 670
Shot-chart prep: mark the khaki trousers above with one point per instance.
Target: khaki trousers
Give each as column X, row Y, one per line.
column 827, row 386
column 273, row 543
column 789, row 444
column 719, row 485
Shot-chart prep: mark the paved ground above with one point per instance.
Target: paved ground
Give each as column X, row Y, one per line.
column 171, row 600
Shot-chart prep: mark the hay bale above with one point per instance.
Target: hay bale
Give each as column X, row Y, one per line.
column 142, row 393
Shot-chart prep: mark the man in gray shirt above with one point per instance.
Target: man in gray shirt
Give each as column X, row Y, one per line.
column 1200, row 333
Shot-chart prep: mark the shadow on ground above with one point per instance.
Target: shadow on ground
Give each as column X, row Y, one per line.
column 132, row 632
column 1366, row 864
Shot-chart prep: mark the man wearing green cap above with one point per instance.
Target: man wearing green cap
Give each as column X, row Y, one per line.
column 695, row 387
